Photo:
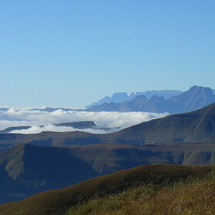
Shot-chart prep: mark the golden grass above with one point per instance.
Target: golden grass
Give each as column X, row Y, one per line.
column 194, row 198
column 144, row 190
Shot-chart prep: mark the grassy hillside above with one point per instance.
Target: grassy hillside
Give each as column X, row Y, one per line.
column 182, row 198
column 27, row 169
column 193, row 127
column 157, row 179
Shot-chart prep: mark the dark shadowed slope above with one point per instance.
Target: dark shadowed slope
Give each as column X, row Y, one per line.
column 59, row 201
column 27, row 169
column 108, row 158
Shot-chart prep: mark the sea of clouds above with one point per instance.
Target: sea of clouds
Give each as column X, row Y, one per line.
column 10, row 117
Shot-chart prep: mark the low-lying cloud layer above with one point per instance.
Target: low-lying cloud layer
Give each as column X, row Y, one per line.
column 35, row 118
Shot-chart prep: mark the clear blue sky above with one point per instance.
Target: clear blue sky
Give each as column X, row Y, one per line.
column 72, row 53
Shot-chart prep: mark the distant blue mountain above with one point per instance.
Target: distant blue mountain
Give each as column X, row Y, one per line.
column 195, row 98
column 123, row 96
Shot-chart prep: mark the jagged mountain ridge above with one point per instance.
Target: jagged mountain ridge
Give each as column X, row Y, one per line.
column 123, row 96
column 193, row 99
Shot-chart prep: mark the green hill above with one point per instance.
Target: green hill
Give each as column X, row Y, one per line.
column 193, row 127
column 159, row 178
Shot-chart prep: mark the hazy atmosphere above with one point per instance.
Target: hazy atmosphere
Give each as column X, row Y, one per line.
column 72, row 53
column 36, row 118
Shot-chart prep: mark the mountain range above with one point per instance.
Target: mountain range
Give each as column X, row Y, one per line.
column 52, row 160
column 195, row 98
column 31, row 163
column 192, row 127
column 123, row 96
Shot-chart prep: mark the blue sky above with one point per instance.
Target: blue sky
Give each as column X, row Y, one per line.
column 72, row 53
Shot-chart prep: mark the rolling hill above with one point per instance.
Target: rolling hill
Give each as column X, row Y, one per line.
column 28, row 169
column 193, row 127
column 160, row 178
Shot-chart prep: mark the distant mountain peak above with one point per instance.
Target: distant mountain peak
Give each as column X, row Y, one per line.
column 140, row 97
column 196, row 88
column 194, row 98
column 119, row 97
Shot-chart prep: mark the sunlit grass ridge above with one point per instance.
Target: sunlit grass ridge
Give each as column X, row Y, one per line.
column 132, row 191
column 184, row 197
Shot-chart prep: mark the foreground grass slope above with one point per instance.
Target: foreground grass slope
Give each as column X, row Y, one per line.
column 153, row 178
column 191, row 197
column 27, row 169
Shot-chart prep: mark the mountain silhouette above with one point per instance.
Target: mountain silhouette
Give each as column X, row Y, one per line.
column 195, row 98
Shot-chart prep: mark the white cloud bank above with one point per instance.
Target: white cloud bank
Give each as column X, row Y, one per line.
column 36, row 118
